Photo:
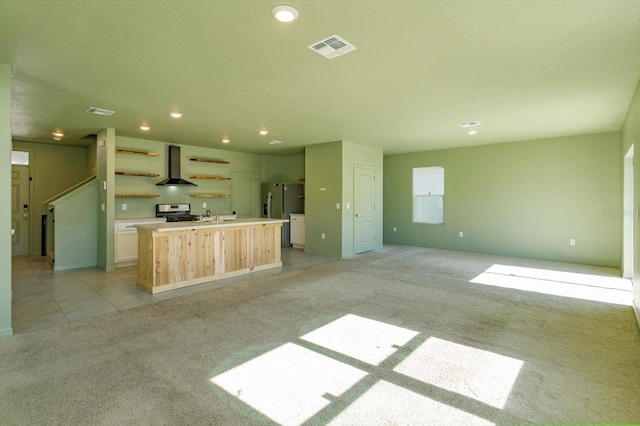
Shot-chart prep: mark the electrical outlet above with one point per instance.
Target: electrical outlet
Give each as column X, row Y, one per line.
column 124, row 206
column 322, row 235
column 572, row 242
column 337, row 206
column 394, row 229
column 460, row 234
column 204, row 205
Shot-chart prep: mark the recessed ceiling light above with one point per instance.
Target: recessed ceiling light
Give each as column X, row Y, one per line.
column 472, row 132
column 175, row 114
column 468, row 124
column 273, row 142
column 284, row 13
column 226, row 140
column 58, row 133
column 145, row 127
column 263, row 132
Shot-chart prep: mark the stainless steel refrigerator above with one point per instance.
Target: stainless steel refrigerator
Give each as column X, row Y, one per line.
column 279, row 200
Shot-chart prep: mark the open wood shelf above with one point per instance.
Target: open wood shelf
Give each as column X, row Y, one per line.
column 137, row 195
column 133, row 152
column 208, row 177
column 124, row 173
column 209, row 195
column 210, row 160
column 300, row 180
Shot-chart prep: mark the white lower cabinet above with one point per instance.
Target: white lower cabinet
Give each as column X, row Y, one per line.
column 297, row 223
column 126, row 241
column 126, row 246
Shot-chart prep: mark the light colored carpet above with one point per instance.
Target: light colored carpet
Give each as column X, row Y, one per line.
column 396, row 336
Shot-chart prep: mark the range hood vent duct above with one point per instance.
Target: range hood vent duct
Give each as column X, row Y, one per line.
column 174, row 178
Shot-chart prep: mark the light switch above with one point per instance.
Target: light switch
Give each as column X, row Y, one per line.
column 124, row 206
column 337, row 206
column 348, row 206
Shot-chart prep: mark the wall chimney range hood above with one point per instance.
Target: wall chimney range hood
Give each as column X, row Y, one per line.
column 174, row 178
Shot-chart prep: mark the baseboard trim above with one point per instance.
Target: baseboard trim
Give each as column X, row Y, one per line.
column 636, row 312
column 6, row 332
column 57, row 268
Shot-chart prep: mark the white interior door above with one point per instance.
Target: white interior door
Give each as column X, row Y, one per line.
column 364, row 226
column 20, row 210
column 244, row 193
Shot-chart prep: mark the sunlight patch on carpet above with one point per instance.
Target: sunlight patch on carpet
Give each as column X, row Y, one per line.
column 361, row 338
column 388, row 404
column 482, row 375
column 556, row 283
column 288, row 383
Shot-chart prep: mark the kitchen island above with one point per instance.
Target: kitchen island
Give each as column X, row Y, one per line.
column 178, row 254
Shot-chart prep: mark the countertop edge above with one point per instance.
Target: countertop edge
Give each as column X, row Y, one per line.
column 185, row 226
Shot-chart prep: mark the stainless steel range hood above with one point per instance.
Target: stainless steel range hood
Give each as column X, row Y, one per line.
column 174, row 178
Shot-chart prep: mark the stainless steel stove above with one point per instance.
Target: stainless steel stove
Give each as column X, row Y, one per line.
column 175, row 212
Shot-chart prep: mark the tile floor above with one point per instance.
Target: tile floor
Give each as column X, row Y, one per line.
column 43, row 298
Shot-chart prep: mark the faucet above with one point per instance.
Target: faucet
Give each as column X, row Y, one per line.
column 205, row 215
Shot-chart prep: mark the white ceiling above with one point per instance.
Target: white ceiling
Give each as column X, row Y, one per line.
column 524, row 69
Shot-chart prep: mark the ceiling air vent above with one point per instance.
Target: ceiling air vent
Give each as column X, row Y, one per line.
column 100, row 111
column 332, row 46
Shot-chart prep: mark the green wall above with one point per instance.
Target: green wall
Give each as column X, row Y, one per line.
column 323, row 189
column 76, row 227
column 90, row 158
column 54, row 168
column 5, row 194
column 631, row 136
column 145, row 207
column 329, row 187
column 524, row 199
column 105, row 168
column 288, row 168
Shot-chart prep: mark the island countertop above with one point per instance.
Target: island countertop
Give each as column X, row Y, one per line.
column 185, row 226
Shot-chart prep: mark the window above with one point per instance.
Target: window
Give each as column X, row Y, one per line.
column 20, row 158
column 428, row 195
